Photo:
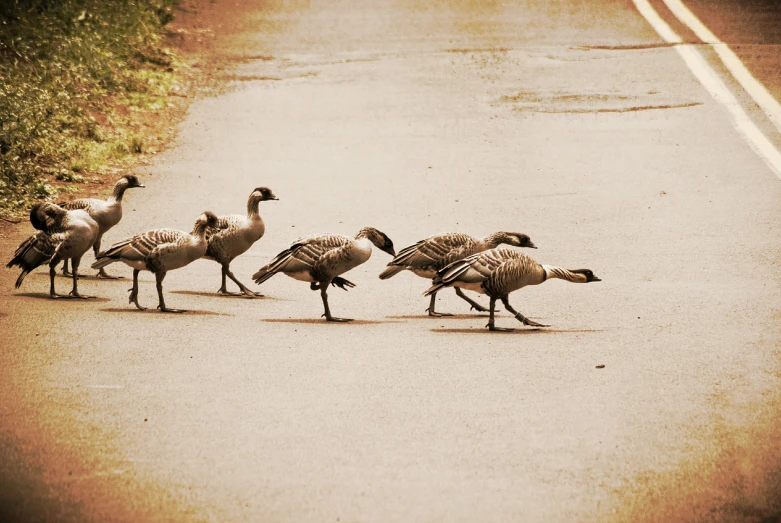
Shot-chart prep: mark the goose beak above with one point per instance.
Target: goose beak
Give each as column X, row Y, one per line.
column 595, row 279
column 390, row 251
column 273, row 197
column 140, row 185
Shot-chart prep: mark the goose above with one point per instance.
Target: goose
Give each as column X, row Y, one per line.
column 320, row 259
column 497, row 273
column 159, row 251
column 428, row 256
column 62, row 235
column 234, row 235
column 106, row 212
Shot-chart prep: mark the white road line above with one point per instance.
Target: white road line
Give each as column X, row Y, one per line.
column 735, row 66
column 711, row 81
column 659, row 25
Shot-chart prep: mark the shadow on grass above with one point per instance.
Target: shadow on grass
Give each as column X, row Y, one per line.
column 318, row 321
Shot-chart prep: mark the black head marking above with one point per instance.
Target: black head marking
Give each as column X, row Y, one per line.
column 265, row 193
column 587, row 273
column 132, row 180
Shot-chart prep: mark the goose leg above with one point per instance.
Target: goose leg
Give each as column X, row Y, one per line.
column 159, row 276
column 224, row 288
column 327, row 314
column 474, row 305
column 102, row 272
column 491, row 326
column 520, row 317
column 75, row 291
column 432, row 312
column 246, row 292
column 65, row 271
column 134, row 291
column 52, row 273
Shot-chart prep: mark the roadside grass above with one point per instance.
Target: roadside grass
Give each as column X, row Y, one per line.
column 77, row 77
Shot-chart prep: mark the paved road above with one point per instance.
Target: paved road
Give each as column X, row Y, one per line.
column 564, row 120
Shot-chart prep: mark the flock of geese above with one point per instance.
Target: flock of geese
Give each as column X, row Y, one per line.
column 66, row 231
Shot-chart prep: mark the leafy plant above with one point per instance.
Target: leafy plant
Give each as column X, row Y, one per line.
column 62, row 63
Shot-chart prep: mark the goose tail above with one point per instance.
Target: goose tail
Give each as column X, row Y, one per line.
column 391, row 271
column 263, row 274
column 32, row 253
column 438, row 286
column 111, row 255
column 275, row 265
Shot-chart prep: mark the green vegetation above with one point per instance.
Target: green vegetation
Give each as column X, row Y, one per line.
column 72, row 73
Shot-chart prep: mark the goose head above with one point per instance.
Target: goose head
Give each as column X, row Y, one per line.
column 131, row 181
column 44, row 215
column 587, row 274
column 517, row 239
column 207, row 219
column 378, row 238
column 263, row 194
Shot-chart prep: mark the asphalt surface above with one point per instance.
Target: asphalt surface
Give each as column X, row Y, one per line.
column 567, row 121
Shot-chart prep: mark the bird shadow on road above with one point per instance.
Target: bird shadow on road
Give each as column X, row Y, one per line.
column 45, row 296
column 317, row 321
column 519, row 330
column 427, row 317
column 152, row 310
column 88, row 277
column 206, row 294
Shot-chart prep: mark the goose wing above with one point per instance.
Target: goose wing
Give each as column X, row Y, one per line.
column 90, row 205
column 219, row 237
column 35, row 251
column 303, row 255
column 435, row 250
column 478, row 267
column 224, row 223
column 139, row 247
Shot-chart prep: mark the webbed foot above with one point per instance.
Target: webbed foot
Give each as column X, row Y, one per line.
column 335, row 319
column 435, row 314
column 530, row 323
column 166, row 309
column 134, row 300
column 494, row 328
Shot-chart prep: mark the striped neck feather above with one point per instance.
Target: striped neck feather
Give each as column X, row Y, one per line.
column 200, row 229
column 492, row 241
column 563, row 274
